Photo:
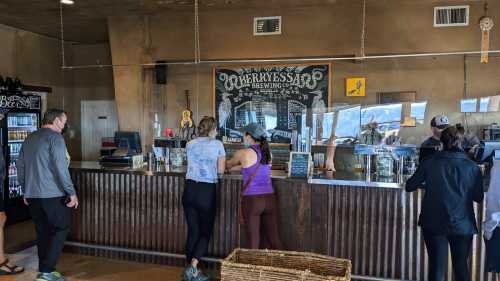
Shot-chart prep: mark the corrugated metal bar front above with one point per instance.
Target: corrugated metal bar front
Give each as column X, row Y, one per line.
column 374, row 227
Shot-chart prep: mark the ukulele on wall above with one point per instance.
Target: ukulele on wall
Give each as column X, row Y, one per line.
column 187, row 124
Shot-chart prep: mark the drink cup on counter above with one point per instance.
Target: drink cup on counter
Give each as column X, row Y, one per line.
column 168, row 132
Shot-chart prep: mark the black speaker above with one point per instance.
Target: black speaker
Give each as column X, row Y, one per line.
column 161, row 72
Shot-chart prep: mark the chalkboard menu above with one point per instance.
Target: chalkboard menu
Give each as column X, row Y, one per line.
column 20, row 102
column 299, row 164
column 270, row 95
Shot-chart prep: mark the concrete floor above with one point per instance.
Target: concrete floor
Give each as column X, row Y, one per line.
column 78, row 267
column 19, row 236
column 83, row 268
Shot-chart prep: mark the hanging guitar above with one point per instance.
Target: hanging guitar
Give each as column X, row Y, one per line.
column 187, row 125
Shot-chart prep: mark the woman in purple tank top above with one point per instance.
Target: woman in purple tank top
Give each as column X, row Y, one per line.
column 259, row 205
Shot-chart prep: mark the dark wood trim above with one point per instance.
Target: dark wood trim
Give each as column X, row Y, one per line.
column 42, row 89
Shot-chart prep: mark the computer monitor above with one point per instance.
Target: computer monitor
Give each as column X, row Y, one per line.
column 130, row 141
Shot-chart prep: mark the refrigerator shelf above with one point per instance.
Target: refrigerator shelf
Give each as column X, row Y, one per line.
column 16, row 140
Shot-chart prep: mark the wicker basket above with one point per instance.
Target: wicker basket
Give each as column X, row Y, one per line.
column 263, row 265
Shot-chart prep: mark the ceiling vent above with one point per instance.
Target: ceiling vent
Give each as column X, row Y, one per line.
column 451, row 16
column 267, row 26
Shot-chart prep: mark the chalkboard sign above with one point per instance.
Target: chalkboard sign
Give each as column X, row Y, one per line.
column 280, row 154
column 299, row 164
column 20, row 102
column 270, row 95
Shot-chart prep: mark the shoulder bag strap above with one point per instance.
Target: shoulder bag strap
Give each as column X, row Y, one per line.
column 252, row 176
column 245, row 187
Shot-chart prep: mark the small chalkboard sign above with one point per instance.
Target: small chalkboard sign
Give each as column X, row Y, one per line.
column 299, row 164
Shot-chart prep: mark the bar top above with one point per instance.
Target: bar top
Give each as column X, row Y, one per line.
column 339, row 178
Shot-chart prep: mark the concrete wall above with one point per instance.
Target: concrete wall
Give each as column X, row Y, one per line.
column 439, row 80
column 393, row 26
column 86, row 84
column 37, row 60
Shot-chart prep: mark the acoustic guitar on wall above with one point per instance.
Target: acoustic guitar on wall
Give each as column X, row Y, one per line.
column 187, row 124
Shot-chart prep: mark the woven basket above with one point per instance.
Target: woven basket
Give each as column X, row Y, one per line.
column 263, row 265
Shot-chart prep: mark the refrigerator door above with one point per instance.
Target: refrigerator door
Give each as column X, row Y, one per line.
column 19, row 126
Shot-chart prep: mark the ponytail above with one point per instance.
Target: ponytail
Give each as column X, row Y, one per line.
column 266, row 151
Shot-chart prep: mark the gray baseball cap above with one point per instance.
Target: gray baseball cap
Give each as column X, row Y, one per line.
column 255, row 130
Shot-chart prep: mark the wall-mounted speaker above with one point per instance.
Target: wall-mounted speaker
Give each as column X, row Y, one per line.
column 161, row 72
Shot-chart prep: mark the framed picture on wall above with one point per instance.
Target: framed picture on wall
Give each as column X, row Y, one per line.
column 355, row 87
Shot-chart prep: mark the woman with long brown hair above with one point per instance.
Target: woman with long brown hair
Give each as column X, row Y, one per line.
column 206, row 159
column 452, row 182
column 259, row 205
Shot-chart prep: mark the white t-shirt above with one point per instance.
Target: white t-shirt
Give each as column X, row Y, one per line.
column 202, row 156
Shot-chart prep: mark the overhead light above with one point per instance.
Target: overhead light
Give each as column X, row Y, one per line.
column 67, row 2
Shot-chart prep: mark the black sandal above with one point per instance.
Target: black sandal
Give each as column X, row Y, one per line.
column 12, row 269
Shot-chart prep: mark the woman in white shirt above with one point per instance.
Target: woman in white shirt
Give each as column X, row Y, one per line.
column 206, row 159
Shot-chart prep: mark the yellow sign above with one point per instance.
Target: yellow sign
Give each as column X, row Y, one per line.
column 355, row 87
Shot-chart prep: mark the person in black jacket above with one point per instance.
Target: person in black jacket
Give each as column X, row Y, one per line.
column 433, row 144
column 452, row 183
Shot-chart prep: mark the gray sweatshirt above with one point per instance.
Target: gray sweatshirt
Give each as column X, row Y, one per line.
column 42, row 166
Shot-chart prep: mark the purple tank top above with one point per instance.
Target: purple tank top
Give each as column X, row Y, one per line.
column 261, row 183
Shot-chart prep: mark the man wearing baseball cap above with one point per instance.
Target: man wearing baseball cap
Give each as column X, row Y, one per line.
column 433, row 143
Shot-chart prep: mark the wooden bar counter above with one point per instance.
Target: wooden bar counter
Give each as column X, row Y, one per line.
column 127, row 214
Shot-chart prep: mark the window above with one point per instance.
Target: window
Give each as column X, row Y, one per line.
column 418, row 111
column 388, row 116
column 348, row 122
column 468, row 105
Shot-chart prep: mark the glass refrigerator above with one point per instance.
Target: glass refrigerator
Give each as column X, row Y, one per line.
column 21, row 118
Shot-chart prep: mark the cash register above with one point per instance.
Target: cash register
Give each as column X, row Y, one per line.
column 128, row 151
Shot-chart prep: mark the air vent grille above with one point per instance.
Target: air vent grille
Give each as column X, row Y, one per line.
column 451, row 16
column 267, row 26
